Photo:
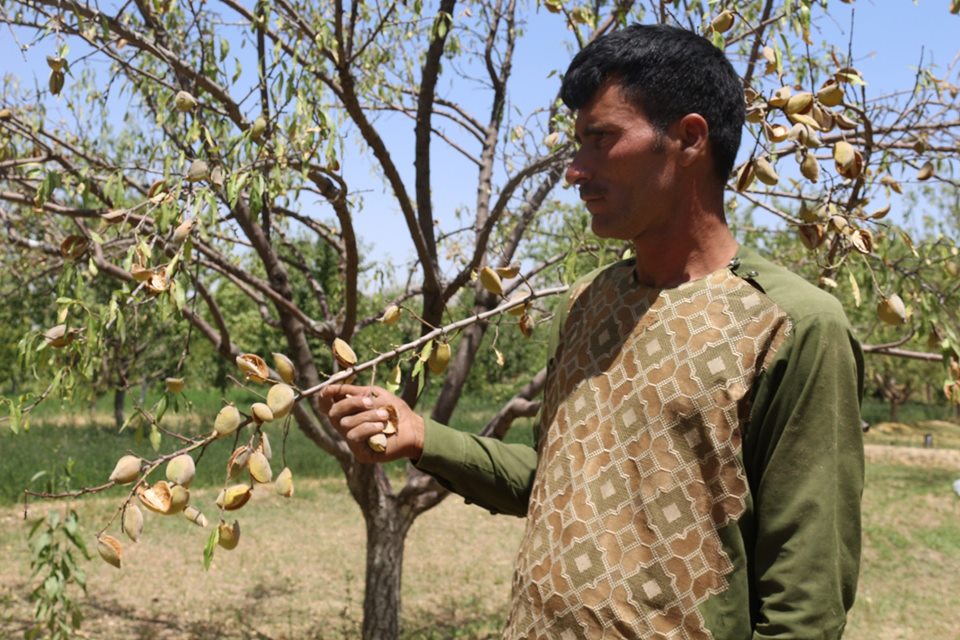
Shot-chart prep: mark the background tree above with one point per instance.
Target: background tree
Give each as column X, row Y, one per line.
column 224, row 201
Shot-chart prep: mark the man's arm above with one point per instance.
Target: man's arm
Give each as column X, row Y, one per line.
column 493, row 474
column 803, row 450
column 486, row 471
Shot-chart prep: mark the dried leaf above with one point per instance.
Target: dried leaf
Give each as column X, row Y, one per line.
column 854, row 288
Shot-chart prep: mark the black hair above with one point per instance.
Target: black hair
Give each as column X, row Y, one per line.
column 667, row 72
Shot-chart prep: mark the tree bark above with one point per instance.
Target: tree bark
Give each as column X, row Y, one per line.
column 387, row 527
column 119, row 401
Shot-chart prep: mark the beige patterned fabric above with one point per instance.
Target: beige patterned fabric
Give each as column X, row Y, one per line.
column 640, row 458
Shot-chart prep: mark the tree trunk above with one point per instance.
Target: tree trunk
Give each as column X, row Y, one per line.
column 893, row 409
column 119, row 401
column 387, row 527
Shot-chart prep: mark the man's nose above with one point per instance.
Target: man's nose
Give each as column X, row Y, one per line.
column 577, row 170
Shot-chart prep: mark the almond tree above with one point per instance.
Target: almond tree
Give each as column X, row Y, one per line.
column 232, row 154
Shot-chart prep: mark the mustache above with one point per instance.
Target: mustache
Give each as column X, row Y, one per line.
column 590, row 191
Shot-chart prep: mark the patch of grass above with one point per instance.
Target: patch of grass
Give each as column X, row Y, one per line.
column 875, row 411
column 911, row 555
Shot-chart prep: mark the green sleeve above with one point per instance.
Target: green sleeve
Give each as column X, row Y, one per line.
column 803, row 450
column 493, row 474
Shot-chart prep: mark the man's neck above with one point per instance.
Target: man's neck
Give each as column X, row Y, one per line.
column 689, row 249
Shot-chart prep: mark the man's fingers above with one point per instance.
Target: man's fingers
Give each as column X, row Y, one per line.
column 349, row 406
column 354, row 420
column 362, row 432
column 342, row 390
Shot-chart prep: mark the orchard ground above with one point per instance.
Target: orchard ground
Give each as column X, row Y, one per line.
column 298, row 571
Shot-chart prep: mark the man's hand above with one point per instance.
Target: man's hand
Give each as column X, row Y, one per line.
column 360, row 412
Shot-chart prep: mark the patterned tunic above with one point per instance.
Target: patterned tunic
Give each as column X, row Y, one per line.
column 643, row 515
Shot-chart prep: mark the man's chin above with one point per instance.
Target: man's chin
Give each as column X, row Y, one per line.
column 606, row 229
column 599, row 226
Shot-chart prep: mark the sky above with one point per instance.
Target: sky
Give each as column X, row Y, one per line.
column 889, row 38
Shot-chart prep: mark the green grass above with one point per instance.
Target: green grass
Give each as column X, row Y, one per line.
column 911, row 555
column 912, row 412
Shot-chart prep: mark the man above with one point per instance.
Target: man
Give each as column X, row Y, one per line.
column 699, row 462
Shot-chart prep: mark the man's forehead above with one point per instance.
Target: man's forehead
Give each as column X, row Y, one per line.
column 608, row 104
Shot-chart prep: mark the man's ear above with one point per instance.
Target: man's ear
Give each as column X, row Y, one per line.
column 692, row 132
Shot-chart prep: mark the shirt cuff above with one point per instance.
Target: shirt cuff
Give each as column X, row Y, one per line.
column 443, row 449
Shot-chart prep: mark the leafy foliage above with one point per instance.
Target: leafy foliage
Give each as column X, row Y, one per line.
column 56, row 547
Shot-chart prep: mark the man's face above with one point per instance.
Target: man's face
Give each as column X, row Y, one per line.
column 625, row 169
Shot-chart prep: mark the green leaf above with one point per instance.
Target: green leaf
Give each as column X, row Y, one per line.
column 126, row 423
column 43, row 542
column 426, row 351
column 256, row 195
column 238, row 183
column 70, row 523
column 154, row 437
column 81, row 579
column 171, row 267
column 179, row 297
column 210, row 547
column 418, row 374
column 393, row 386
column 52, row 586
column 14, row 415
column 160, row 408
